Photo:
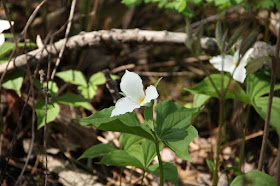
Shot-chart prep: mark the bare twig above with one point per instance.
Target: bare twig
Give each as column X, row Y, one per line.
column 14, row 136
column 73, row 5
column 30, row 20
column 165, row 74
column 112, row 86
column 99, row 38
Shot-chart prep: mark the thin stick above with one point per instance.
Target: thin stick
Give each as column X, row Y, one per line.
column 99, row 38
column 268, row 112
column 30, row 19
column 14, row 136
column 73, row 5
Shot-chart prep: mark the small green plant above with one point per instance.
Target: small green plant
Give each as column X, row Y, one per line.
column 141, row 142
column 87, row 90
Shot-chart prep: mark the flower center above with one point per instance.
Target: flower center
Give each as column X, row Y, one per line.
column 141, row 100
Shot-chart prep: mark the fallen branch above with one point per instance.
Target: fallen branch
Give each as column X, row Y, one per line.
column 97, row 38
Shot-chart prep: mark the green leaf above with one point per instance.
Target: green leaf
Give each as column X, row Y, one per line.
column 205, row 87
column 253, row 178
column 210, row 165
column 248, row 42
column 88, row 92
column 97, row 150
column 14, row 81
column 200, row 99
column 73, row 100
column 126, row 123
column 73, row 76
column 156, row 84
column 169, row 172
column 8, row 47
column 142, row 149
column 121, row 158
column 52, row 87
column 51, row 114
column 260, row 104
column 256, row 64
column 258, row 84
column 127, row 140
column 99, row 78
column 233, row 39
column 149, row 119
column 131, row 2
column 173, row 127
column 219, row 34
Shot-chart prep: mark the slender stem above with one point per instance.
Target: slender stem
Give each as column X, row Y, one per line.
column 241, row 153
column 159, row 159
column 268, row 111
column 278, row 164
column 218, row 149
column 121, row 172
column 267, row 122
column 208, row 75
column 221, row 121
column 143, row 176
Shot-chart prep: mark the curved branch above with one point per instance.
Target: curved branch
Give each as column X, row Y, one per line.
column 97, row 38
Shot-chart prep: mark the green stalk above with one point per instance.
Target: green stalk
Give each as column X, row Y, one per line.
column 218, row 149
column 159, row 159
column 143, row 176
column 241, row 153
column 221, row 122
column 121, row 172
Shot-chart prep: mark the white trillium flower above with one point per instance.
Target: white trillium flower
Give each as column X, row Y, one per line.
column 132, row 86
column 4, row 25
column 231, row 62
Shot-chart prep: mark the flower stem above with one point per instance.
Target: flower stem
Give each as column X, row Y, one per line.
column 159, row 159
column 218, row 149
column 267, row 123
column 143, row 176
column 241, row 153
column 121, row 172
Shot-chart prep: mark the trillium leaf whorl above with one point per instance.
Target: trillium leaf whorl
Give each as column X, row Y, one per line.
column 132, row 86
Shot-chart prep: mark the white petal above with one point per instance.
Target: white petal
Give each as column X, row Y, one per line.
column 123, row 106
column 246, row 56
column 132, row 86
column 4, row 25
column 2, row 39
column 240, row 74
column 39, row 42
column 151, row 93
column 217, row 62
column 236, row 56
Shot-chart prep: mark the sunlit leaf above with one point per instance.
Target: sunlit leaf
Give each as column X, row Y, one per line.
column 14, row 81
column 200, row 99
column 253, row 178
column 53, row 111
column 173, row 127
column 121, row 158
column 170, row 172
column 126, row 123
column 205, row 87
column 73, row 76
column 73, row 100
column 97, row 150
